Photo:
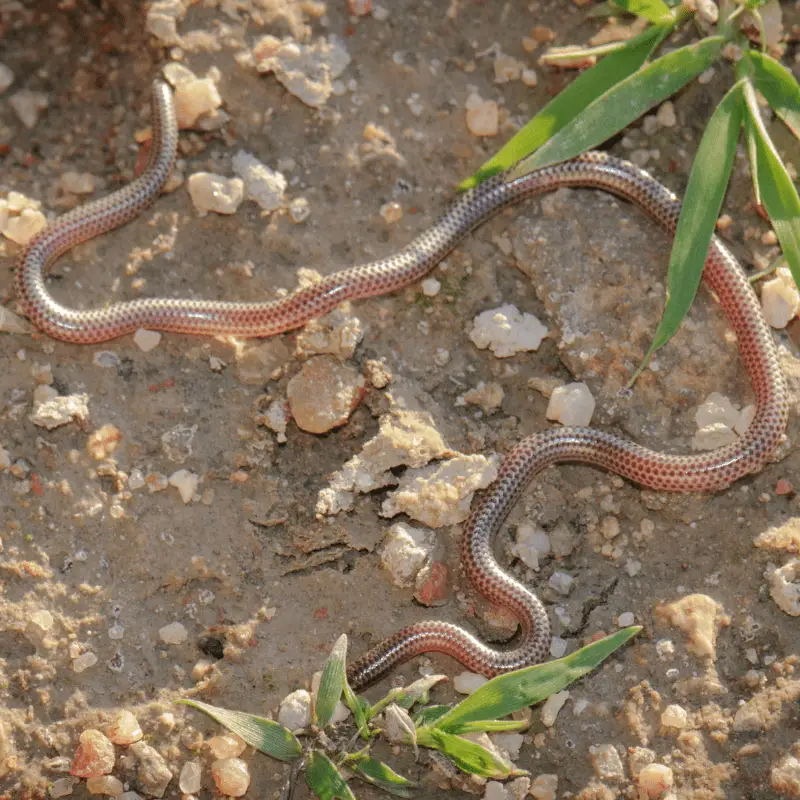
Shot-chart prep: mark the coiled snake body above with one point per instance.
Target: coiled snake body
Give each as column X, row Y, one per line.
column 705, row 472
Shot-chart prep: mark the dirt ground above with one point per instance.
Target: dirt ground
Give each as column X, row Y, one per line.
column 249, row 569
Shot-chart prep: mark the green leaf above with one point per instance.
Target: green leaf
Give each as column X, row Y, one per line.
column 779, row 87
column 331, row 684
column 571, row 101
column 708, row 182
column 379, row 774
column 516, row 690
column 429, row 715
column 265, row 735
column 655, row 11
column 778, row 193
column 407, row 696
column 358, row 708
column 325, row 780
column 624, row 102
column 466, row 755
column 492, row 726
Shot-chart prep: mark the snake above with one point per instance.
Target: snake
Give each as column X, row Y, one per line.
column 709, row 471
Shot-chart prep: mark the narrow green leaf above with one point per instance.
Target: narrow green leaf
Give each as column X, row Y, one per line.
column 491, row 726
column 624, row 102
column 407, row 696
column 265, row 735
column 779, row 87
column 466, row 755
column 517, row 690
column 778, row 192
column 379, row 774
column 571, row 101
column 325, row 780
column 708, row 182
column 429, row 715
column 358, row 708
column 751, row 142
column 331, row 684
column 655, row 11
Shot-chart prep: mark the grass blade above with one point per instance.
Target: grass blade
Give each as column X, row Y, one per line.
column 779, row 87
column 571, row 101
column 778, row 193
column 429, row 715
column 265, row 735
column 624, row 102
column 708, row 182
column 331, row 684
column 655, row 11
column 325, row 780
column 379, row 774
column 517, row 690
column 466, row 755
column 492, row 726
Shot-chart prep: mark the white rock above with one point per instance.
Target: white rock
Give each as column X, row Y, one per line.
column 506, row 68
column 23, row 228
column 190, row 780
column 77, row 182
column 784, row 587
column 666, row 115
column 38, row 624
column 63, row 787
column 307, row 71
column 571, row 405
column 655, row 779
column 606, row 762
column 561, row 582
column 506, row 331
column 780, row 299
column 6, row 77
column 56, row 411
column 210, row 192
column 406, row 550
column 531, row 545
column 544, row 787
column 626, row 619
column 264, row 185
column 277, row 418
column 509, row 743
column 519, row 788
column 146, row 340
column 84, row 661
column 558, row 647
column 28, row 106
column 718, row 434
column 231, row 776
column 185, row 482
column 162, row 19
column 11, row 323
column 483, row 116
column 295, row 710
column 174, row 633
column 468, row 682
column 552, row 706
column 136, row 479
column 431, row 287
column 529, row 77
column 495, row 790
column 675, row 716
column 717, row 409
column 784, row 777
column 193, row 99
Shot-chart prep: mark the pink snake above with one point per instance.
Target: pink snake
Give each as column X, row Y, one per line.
column 705, row 472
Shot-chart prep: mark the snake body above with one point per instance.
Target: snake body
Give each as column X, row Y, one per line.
column 704, row 472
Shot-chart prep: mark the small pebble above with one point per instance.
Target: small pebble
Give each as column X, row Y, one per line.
column 675, row 716
column 174, row 633
column 483, row 116
column 84, row 661
column 780, row 299
column 28, row 106
column 552, row 706
column 231, row 776
column 23, row 228
column 558, row 647
column 391, row 212
column 295, row 710
column 561, row 582
column 105, row 784
column 544, row 787
column 626, row 619
column 190, row 779
column 185, row 482
column 431, row 287
column 62, row 787
column 666, row 115
column 146, row 340
column 606, row 762
column 193, row 99
column 210, row 192
column 655, row 779
column 571, row 405
column 77, row 182
column 468, row 682
column 125, row 729
column 227, row 745
column 6, row 77
column 299, row 210
column 94, row 756
column 264, row 185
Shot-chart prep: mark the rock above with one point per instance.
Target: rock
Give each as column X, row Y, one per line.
column 231, row 776
column 784, row 777
column 558, row 647
column 195, row 98
column 508, row 743
column 606, row 762
column 506, row 68
column 336, row 334
column 186, row 483
column 295, row 710
column 488, row 396
column 124, row 729
column 563, row 539
column 748, row 718
column 57, row 411
column 519, row 788
column 174, row 633
column 552, row 706
column 307, row 71
column 105, row 784
column 655, row 779
column 277, row 418
column 28, row 106
column 780, row 299
column 152, row 773
column 84, row 661
column 544, row 787
column 162, row 19
column 571, row 405
column 784, row 587
column 666, row 115
column 406, row 551
column 6, row 77
column 783, row 537
column 700, row 618
column 62, row 787
column 94, row 756
column 468, row 682
column 77, row 182
column 264, row 185
column 324, row 394
column 441, row 494
column 39, row 624
column 675, row 716
column 263, row 362
column 506, row 331
column 713, row 436
column 430, row 586
column 190, row 780
column 211, row 192
column 146, row 340
column 103, row 442
column 431, row 287
column 176, row 443
column 228, row 745
column 299, row 210
column 626, row 619
column 494, row 790
column 561, row 582
column 531, row 545
column 483, row 116
column 10, row 322
column 23, row 228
